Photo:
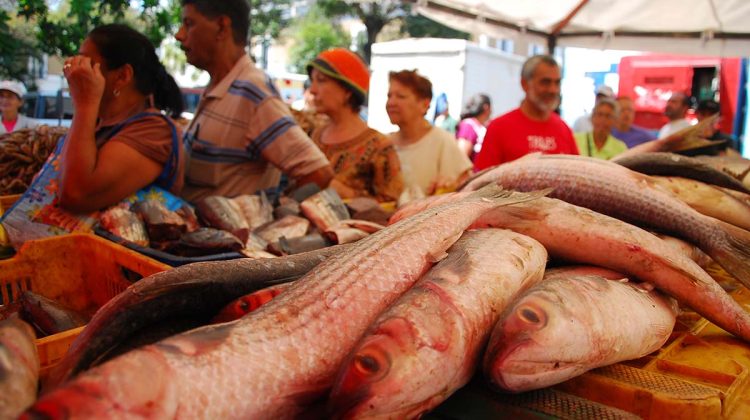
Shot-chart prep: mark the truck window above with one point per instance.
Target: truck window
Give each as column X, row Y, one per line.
column 29, row 106
column 52, row 110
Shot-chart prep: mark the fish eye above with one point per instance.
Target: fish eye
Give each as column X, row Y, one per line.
column 367, row 364
column 371, row 363
column 529, row 315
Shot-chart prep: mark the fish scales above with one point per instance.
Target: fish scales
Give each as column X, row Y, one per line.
column 578, row 234
column 614, row 190
column 19, row 367
column 572, row 322
column 428, row 343
column 276, row 361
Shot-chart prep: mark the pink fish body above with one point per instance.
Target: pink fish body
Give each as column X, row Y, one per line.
column 276, row 361
column 572, row 323
column 580, row 235
column 429, row 342
column 616, row 191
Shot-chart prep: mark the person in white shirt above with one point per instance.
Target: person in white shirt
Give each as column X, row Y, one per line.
column 430, row 157
column 676, row 108
column 11, row 99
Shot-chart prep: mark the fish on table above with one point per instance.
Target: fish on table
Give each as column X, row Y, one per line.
column 580, row 235
column 19, row 367
column 707, row 199
column 198, row 290
column 614, row 190
column 672, row 164
column 573, row 321
column 48, row 316
column 429, row 342
column 282, row 358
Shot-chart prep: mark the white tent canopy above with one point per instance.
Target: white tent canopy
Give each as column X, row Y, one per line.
column 700, row 27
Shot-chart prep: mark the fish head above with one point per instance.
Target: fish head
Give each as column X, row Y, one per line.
column 537, row 342
column 371, row 381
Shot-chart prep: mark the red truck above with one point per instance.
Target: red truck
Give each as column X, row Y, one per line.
column 651, row 79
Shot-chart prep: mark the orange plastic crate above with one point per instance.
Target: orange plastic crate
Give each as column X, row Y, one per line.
column 7, row 201
column 80, row 271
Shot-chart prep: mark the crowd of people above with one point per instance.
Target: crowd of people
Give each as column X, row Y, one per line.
column 243, row 138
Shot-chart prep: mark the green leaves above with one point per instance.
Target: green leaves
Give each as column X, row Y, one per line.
column 313, row 34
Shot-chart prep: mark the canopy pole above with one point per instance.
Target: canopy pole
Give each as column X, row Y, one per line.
column 551, row 44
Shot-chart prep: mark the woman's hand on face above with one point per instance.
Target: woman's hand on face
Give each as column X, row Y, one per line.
column 85, row 81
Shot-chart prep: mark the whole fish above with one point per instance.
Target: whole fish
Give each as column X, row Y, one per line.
column 47, row 315
column 19, row 367
column 708, row 200
column 429, row 342
column 194, row 290
column 580, row 235
column 571, row 323
column 242, row 306
column 614, row 190
column 282, row 358
column 672, row 164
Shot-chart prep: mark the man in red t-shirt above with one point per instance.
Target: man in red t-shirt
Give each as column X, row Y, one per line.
column 534, row 126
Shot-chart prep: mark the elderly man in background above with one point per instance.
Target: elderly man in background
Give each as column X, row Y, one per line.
column 242, row 133
column 534, row 126
column 11, row 99
column 676, row 109
column 624, row 128
column 599, row 142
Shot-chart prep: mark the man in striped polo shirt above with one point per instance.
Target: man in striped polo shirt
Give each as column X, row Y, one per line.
column 243, row 134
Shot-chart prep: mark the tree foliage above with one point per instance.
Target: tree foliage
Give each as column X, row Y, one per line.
column 17, row 44
column 268, row 17
column 418, row 26
column 373, row 14
column 377, row 14
column 61, row 32
column 313, row 34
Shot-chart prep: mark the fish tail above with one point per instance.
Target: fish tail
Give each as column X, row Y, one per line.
column 507, row 197
column 734, row 254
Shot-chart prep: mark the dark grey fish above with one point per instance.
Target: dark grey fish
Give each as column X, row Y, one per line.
column 195, row 291
column 671, row 164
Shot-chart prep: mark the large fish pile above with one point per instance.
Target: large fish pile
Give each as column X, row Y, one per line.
column 391, row 325
column 306, row 220
column 22, row 154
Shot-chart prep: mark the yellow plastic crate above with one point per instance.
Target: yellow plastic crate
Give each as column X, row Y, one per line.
column 80, row 271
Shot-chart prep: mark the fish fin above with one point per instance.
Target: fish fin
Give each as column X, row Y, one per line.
column 734, row 254
column 644, row 287
column 508, row 197
column 438, row 253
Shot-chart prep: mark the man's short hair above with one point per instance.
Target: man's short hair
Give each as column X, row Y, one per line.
column 685, row 99
column 238, row 12
column 708, row 107
column 529, row 67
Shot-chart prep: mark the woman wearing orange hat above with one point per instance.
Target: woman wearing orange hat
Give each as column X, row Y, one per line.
column 364, row 161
